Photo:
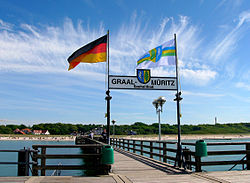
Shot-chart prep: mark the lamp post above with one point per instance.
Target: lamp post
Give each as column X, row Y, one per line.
column 113, row 122
column 158, row 104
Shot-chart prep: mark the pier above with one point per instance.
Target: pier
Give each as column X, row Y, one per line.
column 132, row 164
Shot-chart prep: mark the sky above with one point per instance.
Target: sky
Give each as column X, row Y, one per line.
column 37, row 37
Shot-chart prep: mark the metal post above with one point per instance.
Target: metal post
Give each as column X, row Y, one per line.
column 158, row 104
column 159, row 121
column 108, row 98
column 179, row 150
column 113, row 122
column 178, row 99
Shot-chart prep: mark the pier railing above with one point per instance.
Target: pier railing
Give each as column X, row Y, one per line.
column 166, row 151
column 23, row 163
column 91, row 152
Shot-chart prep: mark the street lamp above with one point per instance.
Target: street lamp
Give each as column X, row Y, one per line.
column 158, row 104
column 113, row 122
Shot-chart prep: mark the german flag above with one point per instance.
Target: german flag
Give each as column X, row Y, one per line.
column 93, row 52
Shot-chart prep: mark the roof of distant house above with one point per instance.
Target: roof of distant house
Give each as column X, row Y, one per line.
column 27, row 129
column 37, row 131
column 16, row 130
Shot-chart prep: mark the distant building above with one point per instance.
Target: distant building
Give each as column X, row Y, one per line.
column 17, row 131
column 41, row 132
column 45, row 132
column 27, row 131
column 37, row 132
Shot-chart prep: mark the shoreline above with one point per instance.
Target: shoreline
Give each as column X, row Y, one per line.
column 136, row 137
column 39, row 138
column 192, row 137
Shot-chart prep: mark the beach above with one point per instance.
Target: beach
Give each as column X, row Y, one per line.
column 137, row 137
column 190, row 137
column 38, row 137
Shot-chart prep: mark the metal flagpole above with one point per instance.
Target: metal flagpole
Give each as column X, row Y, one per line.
column 108, row 97
column 178, row 99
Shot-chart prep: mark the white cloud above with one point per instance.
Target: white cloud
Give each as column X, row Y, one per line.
column 45, row 49
column 197, row 77
column 5, row 26
column 243, row 85
column 225, row 45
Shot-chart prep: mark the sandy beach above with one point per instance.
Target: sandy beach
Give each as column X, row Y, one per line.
column 191, row 137
column 138, row 137
column 39, row 138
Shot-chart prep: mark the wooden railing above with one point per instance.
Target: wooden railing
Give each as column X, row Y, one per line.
column 91, row 152
column 162, row 151
column 23, row 164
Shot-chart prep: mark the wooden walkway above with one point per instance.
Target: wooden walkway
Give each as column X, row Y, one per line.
column 132, row 168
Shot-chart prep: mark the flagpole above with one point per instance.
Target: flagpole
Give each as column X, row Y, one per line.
column 108, row 97
column 178, row 99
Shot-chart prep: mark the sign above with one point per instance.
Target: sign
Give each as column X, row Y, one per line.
column 141, row 82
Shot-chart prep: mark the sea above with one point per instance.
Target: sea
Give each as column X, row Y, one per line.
column 11, row 170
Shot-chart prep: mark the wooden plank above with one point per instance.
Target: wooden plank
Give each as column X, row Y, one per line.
column 248, row 156
column 151, row 150
column 68, row 146
column 217, row 143
column 197, row 164
column 213, row 153
column 43, row 162
column 35, row 162
column 210, row 163
column 69, row 167
column 226, row 143
column 164, row 152
column 67, row 156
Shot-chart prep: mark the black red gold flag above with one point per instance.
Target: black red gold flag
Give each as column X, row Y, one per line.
column 93, row 52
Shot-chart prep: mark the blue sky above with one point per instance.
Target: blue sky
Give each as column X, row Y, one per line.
column 36, row 38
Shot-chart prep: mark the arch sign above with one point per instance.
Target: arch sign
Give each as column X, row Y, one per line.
column 143, row 81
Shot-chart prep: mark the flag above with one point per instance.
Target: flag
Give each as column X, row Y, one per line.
column 162, row 55
column 93, row 52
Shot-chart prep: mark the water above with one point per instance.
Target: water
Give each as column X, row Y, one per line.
column 11, row 170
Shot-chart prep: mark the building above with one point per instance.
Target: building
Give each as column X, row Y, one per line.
column 45, row 132
column 37, row 132
column 27, row 131
column 17, row 131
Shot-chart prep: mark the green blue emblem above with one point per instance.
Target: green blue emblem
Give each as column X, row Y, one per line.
column 143, row 75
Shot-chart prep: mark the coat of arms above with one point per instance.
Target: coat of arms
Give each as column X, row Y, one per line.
column 143, row 75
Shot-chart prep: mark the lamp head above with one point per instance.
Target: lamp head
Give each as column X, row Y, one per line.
column 155, row 103
column 113, row 121
column 161, row 100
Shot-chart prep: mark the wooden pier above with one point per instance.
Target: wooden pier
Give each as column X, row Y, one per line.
column 130, row 166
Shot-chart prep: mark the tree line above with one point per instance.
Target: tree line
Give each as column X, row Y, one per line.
column 138, row 127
